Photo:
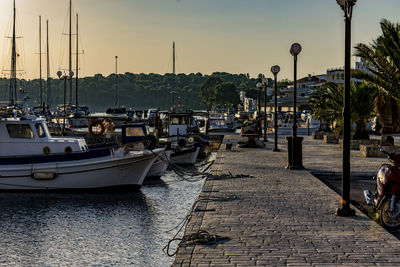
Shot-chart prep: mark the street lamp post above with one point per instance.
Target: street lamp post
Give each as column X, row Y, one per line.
column 275, row 70
column 259, row 86
column 345, row 210
column 265, row 84
column 295, row 163
column 173, row 98
column 65, row 78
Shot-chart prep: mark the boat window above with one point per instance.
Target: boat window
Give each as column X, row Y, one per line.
column 19, row 131
column 218, row 122
column 179, row 120
column 40, row 131
column 135, row 132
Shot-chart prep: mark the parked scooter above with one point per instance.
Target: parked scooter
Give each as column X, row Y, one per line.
column 386, row 199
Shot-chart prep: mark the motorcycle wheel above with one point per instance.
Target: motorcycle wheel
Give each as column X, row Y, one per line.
column 387, row 221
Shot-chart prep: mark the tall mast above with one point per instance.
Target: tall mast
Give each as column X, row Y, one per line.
column 48, row 65
column 116, row 81
column 13, row 80
column 173, row 57
column 77, row 64
column 70, row 51
column 40, row 62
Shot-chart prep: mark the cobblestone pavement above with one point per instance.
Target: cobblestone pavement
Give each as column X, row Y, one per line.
column 327, row 158
column 281, row 217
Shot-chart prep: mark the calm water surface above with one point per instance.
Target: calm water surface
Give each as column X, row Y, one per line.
column 76, row 229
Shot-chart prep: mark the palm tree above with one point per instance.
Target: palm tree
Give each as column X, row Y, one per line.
column 383, row 59
column 363, row 97
column 327, row 103
column 317, row 101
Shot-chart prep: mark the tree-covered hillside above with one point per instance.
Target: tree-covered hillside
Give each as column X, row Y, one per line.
column 139, row 91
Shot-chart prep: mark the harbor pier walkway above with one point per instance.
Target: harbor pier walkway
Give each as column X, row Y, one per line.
column 282, row 217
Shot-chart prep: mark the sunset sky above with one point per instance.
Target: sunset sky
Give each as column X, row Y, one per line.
column 235, row 36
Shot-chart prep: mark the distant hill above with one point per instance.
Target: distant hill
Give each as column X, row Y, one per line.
column 138, row 91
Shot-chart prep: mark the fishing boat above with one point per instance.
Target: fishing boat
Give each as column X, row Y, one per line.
column 181, row 124
column 134, row 134
column 31, row 159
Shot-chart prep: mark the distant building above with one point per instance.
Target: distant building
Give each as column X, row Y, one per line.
column 305, row 87
column 250, row 104
column 363, row 66
column 335, row 75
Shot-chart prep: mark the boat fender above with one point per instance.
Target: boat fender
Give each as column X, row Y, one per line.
column 46, row 150
column 182, row 143
column 99, row 125
column 126, row 150
column 150, row 141
column 68, row 150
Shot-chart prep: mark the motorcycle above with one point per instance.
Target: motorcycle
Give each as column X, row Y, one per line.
column 386, row 198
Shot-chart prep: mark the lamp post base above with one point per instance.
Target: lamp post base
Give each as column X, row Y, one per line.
column 276, row 150
column 345, row 212
column 265, row 140
column 294, row 167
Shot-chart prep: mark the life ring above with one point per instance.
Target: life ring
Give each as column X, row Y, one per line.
column 46, row 150
column 99, row 125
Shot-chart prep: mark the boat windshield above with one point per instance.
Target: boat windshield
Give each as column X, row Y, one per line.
column 20, row 131
column 179, row 120
column 218, row 122
column 40, row 131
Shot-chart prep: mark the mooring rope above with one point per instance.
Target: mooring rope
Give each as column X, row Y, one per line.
column 199, row 237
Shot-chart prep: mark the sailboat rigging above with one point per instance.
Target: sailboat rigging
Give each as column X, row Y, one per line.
column 13, row 78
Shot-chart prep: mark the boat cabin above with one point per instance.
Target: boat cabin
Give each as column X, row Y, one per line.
column 179, row 124
column 134, row 133
column 30, row 136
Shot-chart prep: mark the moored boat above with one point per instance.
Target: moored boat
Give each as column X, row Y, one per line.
column 30, row 159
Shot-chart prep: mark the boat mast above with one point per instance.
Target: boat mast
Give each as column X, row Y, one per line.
column 70, row 51
column 40, row 62
column 48, row 65
column 173, row 57
column 13, row 80
column 116, row 81
column 77, row 66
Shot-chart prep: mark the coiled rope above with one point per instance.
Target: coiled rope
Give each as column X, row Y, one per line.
column 199, row 237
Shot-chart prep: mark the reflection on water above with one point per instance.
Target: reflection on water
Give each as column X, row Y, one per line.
column 118, row 228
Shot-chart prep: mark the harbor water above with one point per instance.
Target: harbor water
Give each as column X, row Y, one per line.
column 86, row 228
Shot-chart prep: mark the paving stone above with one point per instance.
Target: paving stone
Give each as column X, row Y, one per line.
column 283, row 217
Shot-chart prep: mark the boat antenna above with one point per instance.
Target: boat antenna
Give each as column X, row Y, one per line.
column 48, row 66
column 40, row 63
column 116, row 81
column 13, row 80
column 173, row 57
column 77, row 66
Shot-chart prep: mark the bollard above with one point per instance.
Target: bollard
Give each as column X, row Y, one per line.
column 298, row 159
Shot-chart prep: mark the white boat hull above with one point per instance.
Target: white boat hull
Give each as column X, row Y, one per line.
column 185, row 158
column 119, row 169
column 160, row 165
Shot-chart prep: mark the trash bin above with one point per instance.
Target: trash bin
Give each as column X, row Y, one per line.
column 298, row 160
